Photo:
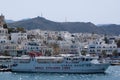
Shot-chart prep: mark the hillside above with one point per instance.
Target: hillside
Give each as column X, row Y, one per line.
column 37, row 23
column 44, row 24
column 111, row 29
column 9, row 21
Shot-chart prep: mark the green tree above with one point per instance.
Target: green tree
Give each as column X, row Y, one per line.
column 115, row 53
column 83, row 52
column 60, row 38
column 5, row 26
column 118, row 43
column 11, row 30
column 20, row 29
column 55, row 48
column 6, row 53
column 47, row 53
column 103, row 54
column 106, row 40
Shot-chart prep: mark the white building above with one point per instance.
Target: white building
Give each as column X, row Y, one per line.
column 98, row 46
column 30, row 46
column 19, row 37
column 5, row 46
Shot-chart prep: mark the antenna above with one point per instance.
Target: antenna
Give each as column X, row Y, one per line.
column 41, row 15
column 65, row 19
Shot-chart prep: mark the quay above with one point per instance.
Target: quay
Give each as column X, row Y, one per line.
column 115, row 64
column 5, row 70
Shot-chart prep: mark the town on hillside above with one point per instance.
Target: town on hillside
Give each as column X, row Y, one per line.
column 18, row 42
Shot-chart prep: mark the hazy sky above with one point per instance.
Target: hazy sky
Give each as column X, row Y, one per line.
column 96, row 11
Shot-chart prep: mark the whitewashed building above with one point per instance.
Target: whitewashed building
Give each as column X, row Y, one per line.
column 98, row 46
column 30, row 46
column 19, row 37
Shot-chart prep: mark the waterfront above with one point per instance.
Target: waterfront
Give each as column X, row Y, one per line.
column 113, row 73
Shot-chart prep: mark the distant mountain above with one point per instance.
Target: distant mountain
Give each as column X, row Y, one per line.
column 44, row 24
column 111, row 29
column 9, row 21
column 74, row 27
column 81, row 27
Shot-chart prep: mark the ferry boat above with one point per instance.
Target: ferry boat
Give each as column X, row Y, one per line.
column 66, row 63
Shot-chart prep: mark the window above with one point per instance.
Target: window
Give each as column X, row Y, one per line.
column 114, row 47
column 86, row 59
column 3, row 31
column 6, row 32
column 98, row 50
column 98, row 47
column 83, row 59
column 92, row 47
column 36, row 47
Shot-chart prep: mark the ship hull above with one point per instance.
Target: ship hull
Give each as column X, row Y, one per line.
column 53, row 68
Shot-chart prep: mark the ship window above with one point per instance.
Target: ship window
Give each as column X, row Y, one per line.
column 88, row 65
column 90, row 59
column 14, row 65
column 83, row 59
column 86, row 59
column 68, row 58
column 75, row 59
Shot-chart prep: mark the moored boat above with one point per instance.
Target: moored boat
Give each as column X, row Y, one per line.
column 58, row 64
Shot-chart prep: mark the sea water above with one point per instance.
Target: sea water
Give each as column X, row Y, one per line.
column 112, row 73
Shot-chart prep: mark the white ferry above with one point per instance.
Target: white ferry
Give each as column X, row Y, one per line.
column 60, row 64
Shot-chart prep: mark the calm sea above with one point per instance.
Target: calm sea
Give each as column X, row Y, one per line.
column 113, row 73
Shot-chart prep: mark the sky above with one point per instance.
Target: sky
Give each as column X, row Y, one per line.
column 95, row 11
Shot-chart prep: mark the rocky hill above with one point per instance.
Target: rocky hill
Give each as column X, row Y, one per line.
column 44, row 24
column 111, row 29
